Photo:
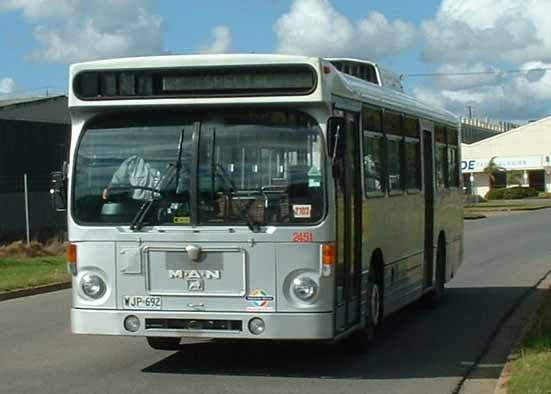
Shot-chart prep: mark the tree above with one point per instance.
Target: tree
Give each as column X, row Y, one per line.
column 492, row 169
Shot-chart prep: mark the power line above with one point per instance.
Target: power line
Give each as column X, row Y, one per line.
column 466, row 73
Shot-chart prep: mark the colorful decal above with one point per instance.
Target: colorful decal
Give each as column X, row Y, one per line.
column 259, row 300
column 303, row 211
column 303, row 236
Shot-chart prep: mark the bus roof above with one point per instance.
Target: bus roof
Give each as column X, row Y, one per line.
column 344, row 85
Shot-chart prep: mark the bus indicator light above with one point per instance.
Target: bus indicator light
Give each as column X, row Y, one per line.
column 329, row 254
column 72, row 259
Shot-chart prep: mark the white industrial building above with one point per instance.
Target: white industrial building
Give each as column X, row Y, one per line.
column 523, row 154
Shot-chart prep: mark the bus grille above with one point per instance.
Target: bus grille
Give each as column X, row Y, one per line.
column 193, row 324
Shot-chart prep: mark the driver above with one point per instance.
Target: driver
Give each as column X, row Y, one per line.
column 134, row 172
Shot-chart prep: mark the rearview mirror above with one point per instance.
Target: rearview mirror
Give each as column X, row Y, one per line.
column 58, row 189
column 335, row 126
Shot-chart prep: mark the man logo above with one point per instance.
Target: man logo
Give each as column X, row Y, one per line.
column 195, row 285
column 194, row 274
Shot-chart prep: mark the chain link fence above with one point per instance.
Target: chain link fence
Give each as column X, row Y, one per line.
column 29, row 213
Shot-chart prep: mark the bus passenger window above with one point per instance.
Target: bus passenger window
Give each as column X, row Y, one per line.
column 453, row 158
column 453, row 167
column 441, row 164
column 394, row 165
column 373, row 162
column 413, row 165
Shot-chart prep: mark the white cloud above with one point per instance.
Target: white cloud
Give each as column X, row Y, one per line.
column 41, row 9
column 505, row 96
column 514, row 31
column 315, row 27
column 221, row 41
column 7, row 85
column 77, row 30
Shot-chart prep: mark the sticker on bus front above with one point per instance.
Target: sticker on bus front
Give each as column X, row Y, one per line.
column 259, row 300
column 302, row 211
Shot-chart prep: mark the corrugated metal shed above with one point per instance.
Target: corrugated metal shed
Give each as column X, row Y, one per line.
column 51, row 109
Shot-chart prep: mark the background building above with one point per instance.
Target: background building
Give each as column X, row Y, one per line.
column 34, row 140
column 523, row 154
column 474, row 129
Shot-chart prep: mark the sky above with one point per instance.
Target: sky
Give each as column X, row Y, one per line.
column 492, row 56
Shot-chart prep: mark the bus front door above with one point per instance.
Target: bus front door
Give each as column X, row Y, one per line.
column 428, row 165
column 349, row 225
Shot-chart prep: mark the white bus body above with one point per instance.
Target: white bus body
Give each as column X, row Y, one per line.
column 204, row 199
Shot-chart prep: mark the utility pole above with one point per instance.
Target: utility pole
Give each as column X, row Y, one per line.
column 470, row 109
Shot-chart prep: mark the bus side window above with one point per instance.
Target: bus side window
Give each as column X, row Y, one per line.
column 453, row 159
column 373, row 148
column 412, row 149
column 441, row 158
column 392, row 124
column 373, row 151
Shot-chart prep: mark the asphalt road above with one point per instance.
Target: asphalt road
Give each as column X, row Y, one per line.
column 419, row 351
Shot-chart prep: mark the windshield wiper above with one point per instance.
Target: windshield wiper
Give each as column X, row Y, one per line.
column 179, row 160
column 229, row 186
column 137, row 222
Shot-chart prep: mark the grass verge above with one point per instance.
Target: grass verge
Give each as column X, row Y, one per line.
column 24, row 273
column 531, row 368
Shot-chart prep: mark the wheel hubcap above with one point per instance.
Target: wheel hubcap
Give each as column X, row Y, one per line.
column 375, row 301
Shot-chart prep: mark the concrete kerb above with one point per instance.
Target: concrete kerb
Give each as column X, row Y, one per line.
column 511, row 331
column 503, row 381
column 34, row 291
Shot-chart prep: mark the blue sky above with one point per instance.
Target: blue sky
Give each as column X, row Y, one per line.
column 40, row 38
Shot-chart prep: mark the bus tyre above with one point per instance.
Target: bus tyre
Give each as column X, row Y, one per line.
column 164, row 343
column 433, row 297
column 361, row 339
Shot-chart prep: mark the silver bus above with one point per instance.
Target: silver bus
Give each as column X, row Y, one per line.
column 254, row 197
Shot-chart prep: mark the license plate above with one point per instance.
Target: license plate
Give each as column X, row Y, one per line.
column 141, row 302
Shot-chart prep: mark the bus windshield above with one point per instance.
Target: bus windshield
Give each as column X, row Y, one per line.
column 239, row 167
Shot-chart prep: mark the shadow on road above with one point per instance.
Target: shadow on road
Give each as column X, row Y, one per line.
column 414, row 343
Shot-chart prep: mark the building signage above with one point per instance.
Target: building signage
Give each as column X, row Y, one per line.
column 509, row 163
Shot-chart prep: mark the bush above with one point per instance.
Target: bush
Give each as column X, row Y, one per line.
column 512, row 193
column 544, row 195
column 494, row 194
column 19, row 249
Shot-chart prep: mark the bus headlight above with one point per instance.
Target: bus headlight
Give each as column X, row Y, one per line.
column 304, row 288
column 93, row 286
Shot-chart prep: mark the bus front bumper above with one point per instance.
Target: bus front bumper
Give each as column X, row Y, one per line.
column 204, row 324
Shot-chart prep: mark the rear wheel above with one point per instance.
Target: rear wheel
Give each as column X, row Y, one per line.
column 164, row 343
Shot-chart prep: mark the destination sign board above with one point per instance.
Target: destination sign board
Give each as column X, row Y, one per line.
column 214, row 81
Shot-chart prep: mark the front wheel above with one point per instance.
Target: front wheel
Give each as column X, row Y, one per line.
column 434, row 296
column 164, row 343
column 360, row 340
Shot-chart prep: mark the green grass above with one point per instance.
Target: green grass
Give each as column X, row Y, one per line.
column 23, row 273
column 531, row 369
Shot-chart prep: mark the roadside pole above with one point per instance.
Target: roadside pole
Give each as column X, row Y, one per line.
column 28, row 232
